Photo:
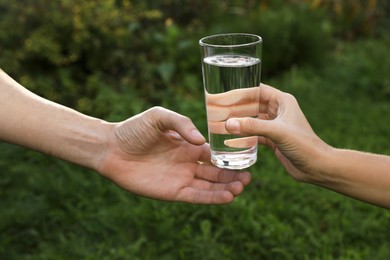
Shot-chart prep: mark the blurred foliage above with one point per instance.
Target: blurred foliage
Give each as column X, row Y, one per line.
column 74, row 52
column 365, row 68
column 94, row 55
column 293, row 34
column 354, row 18
column 115, row 58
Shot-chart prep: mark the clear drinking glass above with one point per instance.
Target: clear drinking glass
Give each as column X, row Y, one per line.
column 231, row 69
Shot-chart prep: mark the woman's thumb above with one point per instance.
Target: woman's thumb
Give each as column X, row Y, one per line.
column 250, row 126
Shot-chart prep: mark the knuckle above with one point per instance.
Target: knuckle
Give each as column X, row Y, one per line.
column 154, row 117
column 156, row 110
column 289, row 97
column 156, row 113
column 184, row 119
column 248, row 125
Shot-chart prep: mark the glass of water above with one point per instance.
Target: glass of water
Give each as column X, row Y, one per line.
column 231, row 69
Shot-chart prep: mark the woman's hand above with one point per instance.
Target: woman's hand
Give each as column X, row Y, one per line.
column 282, row 126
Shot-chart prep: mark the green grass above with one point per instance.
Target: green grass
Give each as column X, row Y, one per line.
column 53, row 210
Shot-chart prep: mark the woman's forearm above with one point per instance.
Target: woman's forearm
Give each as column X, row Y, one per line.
column 34, row 122
column 360, row 175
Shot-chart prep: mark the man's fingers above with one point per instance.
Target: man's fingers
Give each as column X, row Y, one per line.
column 213, row 174
column 205, row 192
column 169, row 120
column 235, row 187
column 205, row 154
column 197, row 196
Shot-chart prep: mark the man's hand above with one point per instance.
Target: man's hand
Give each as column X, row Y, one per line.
column 160, row 154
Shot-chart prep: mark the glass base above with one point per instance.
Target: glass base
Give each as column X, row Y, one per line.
column 234, row 160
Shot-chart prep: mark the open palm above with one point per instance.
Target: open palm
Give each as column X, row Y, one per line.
column 159, row 154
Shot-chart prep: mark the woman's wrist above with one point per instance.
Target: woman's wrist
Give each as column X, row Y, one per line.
column 328, row 168
column 322, row 169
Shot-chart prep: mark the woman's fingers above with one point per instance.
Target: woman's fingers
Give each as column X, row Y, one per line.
column 222, row 113
column 253, row 126
column 233, row 97
column 242, row 142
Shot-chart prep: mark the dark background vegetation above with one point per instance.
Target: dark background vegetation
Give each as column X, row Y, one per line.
column 113, row 59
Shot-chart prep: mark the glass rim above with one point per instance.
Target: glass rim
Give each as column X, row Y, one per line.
column 257, row 39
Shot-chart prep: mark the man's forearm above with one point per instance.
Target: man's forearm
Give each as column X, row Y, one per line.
column 31, row 121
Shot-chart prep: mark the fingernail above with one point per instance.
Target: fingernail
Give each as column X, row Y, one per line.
column 233, row 125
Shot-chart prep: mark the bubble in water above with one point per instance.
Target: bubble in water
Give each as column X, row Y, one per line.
column 231, row 60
